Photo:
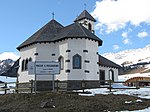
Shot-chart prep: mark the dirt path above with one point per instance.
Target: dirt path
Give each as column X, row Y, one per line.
column 67, row 102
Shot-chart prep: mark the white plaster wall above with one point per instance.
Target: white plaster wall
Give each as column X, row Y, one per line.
column 45, row 51
column 76, row 48
column 63, row 46
column 92, row 56
column 106, row 69
column 25, row 53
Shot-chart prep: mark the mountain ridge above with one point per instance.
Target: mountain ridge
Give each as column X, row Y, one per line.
column 131, row 56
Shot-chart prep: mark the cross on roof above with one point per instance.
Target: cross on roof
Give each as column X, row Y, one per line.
column 84, row 6
column 53, row 14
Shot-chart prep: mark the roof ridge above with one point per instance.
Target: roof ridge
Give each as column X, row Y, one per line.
column 82, row 28
column 85, row 14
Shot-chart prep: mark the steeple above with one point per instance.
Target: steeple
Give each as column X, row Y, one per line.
column 86, row 20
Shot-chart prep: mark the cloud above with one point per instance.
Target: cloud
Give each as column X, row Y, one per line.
column 113, row 15
column 116, row 47
column 125, row 34
column 142, row 34
column 127, row 41
column 9, row 55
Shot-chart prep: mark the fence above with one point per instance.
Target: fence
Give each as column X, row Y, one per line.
column 16, row 88
column 110, row 82
column 63, row 86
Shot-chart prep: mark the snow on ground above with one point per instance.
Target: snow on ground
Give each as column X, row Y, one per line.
column 141, row 93
column 128, row 76
column 7, row 79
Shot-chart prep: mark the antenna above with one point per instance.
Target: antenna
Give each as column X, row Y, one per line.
column 53, row 14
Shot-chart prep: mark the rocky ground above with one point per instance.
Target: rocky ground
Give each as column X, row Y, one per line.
column 69, row 102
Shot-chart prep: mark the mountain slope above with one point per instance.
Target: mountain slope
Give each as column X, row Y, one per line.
column 132, row 61
column 129, row 57
column 7, row 60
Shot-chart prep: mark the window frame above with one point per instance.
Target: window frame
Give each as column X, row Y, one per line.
column 74, row 62
column 61, row 61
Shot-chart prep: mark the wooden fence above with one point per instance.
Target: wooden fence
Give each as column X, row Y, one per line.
column 110, row 82
column 16, row 87
column 61, row 86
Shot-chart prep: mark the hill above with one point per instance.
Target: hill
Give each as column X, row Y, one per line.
column 132, row 61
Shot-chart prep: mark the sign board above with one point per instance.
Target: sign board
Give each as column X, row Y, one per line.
column 47, row 67
column 31, row 67
column 44, row 67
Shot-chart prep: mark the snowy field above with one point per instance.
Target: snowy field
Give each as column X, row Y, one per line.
column 7, row 79
column 141, row 93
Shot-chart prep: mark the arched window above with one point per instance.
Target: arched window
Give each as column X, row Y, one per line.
column 61, row 61
column 111, row 75
column 22, row 65
column 30, row 59
column 77, row 61
column 90, row 26
column 26, row 64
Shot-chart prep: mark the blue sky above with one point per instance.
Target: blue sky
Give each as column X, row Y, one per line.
column 121, row 24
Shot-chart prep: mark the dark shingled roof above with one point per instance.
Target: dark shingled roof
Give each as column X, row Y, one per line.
column 54, row 31
column 84, row 15
column 46, row 33
column 105, row 62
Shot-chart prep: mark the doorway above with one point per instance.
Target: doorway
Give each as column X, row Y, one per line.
column 102, row 77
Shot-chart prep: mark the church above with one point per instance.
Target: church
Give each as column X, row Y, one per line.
column 75, row 46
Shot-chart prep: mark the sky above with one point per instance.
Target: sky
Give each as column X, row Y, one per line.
column 121, row 24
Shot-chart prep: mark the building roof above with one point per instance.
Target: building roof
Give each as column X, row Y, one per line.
column 84, row 15
column 105, row 62
column 54, row 31
column 46, row 33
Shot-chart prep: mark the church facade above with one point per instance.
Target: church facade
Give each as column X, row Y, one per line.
column 76, row 48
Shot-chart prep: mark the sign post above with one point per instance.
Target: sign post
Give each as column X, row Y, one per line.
column 53, row 83
column 44, row 68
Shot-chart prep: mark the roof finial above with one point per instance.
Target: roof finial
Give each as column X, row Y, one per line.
column 53, row 15
column 84, row 6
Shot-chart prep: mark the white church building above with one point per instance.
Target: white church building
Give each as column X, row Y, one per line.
column 76, row 48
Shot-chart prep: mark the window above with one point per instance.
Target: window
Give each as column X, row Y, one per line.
column 30, row 59
column 61, row 61
column 68, row 50
column 77, row 61
column 26, row 64
column 86, row 51
column 111, row 75
column 22, row 67
column 90, row 26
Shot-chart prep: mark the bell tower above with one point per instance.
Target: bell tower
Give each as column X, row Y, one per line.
column 86, row 20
